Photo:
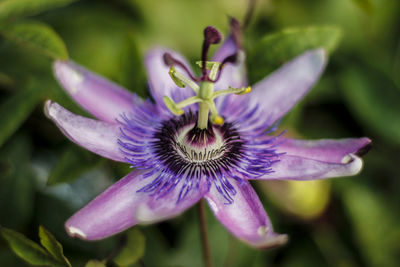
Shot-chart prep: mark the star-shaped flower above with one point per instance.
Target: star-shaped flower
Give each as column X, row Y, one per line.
column 216, row 139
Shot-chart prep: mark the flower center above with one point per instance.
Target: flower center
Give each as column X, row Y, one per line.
column 199, row 145
column 187, row 145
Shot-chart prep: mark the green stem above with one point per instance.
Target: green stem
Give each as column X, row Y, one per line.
column 206, row 91
column 204, row 236
column 202, row 121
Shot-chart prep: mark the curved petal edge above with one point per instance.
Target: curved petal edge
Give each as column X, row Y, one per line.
column 102, row 98
column 281, row 90
column 245, row 217
column 97, row 136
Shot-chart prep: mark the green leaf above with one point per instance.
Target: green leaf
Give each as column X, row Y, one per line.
column 17, row 182
column 132, row 74
column 133, row 249
column 52, row 245
column 365, row 5
column 10, row 9
column 373, row 98
column 6, row 81
column 74, row 162
column 16, row 109
column 27, row 249
column 375, row 223
column 276, row 49
column 37, row 36
column 95, row 263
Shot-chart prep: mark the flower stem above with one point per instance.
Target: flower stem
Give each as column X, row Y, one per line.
column 206, row 91
column 204, row 236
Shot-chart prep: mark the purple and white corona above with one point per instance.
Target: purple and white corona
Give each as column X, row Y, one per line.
column 201, row 137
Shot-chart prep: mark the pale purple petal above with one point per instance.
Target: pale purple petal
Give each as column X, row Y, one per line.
column 233, row 74
column 97, row 136
column 327, row 150
column 280, row 91
column 327, row 158
column 121, row 206
column 245, row 217
column 160, row 81
column 300, row 168
column 102, row 98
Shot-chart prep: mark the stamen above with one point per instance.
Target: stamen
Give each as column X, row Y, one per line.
column 176, row 108
column 171, row 105
column 231, row 90
column 169, row 60
column 181, row 80
column 215, row 117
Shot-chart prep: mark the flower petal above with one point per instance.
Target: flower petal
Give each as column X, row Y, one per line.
column 327, row 150
column 245, row 217
column 97, row 136
column 160, row 82
column 121, row 206
column 280, row 91
column 309, row 160
column 103, row 99
column 300, row 168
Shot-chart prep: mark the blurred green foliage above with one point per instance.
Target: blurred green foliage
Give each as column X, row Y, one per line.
column 44, row 178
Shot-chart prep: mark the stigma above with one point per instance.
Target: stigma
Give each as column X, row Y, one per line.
column 203, row 87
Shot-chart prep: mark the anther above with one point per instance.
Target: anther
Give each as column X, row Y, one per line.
column 218, row 120
column 231, row 90
column 245, row 90
column 171, row 105
column 177, row 81
column 181, row 80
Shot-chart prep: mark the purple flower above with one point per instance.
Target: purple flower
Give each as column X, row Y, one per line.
column 210, row 148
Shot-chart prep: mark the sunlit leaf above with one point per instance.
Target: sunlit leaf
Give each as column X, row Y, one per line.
column 37, row 36
column 52, row 245
column 10, row 9
column 27, row 249
column 275, row 49
column 73, row 163
column 133, row 249
column 16, row 109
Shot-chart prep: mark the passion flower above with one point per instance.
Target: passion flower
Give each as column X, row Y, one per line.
column 201, row 137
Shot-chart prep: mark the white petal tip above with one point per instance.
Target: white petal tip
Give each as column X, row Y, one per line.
column 356, row 163
column 75, row 232
column 274, row 241
column 68, row 75
column 347, row 159
column 262, row 230
column 47, row 108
